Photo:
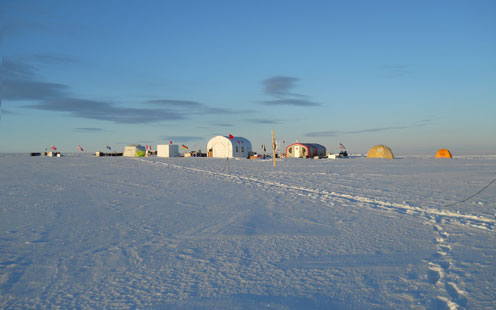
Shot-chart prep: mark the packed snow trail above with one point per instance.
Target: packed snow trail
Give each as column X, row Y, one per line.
column 471, row 220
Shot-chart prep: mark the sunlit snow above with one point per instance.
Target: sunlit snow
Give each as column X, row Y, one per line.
column 80, row 232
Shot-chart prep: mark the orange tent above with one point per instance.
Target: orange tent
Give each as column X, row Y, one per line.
column 443, row 153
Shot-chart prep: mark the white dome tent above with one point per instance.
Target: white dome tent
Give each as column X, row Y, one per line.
column 228, row 147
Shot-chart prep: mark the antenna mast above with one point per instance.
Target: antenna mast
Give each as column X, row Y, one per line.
column 273, row 147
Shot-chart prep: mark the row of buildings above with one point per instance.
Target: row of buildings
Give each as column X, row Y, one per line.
column 231, row 147
column 228, row 147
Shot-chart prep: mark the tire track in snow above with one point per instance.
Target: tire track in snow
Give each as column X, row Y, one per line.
column 428, row 214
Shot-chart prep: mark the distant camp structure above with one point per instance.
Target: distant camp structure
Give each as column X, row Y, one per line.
column 443, row 153
column 46, row 154
column 228, row 147
column 167, row 150
column 104, row 154
column 305, row 150
column 195, row 154
column 134, row 150
column 380, row 151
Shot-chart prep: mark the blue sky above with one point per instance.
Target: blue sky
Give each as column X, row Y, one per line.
column 414, row 75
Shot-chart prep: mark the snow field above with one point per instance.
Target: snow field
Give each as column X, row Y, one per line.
column 121, row 233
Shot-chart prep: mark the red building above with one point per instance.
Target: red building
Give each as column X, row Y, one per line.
column 305, row 150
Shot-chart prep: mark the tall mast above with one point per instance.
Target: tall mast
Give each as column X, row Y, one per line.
column 273, row 147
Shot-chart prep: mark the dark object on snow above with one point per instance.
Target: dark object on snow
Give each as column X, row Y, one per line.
column 103, row 154
column 343, row 154
column 35, row 154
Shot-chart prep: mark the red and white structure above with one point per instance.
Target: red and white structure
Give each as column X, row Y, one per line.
column 305, row 150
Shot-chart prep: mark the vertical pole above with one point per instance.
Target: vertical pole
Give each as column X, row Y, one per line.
column 273, row 147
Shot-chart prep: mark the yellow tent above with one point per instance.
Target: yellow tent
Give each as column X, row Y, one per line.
column 380, row 151
column 443, row 153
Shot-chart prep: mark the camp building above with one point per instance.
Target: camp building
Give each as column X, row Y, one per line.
column 228, row 147
column 134, row 150
column 167, row 150
column 305, row 150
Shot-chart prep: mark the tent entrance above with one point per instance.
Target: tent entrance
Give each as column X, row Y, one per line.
column 297, row 151
column 300, row 151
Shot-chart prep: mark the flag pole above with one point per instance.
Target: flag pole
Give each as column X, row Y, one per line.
column 273, row 147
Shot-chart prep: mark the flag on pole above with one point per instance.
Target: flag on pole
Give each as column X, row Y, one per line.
column 170, row 141
column 184, row 147
column 231, row 137
column 341, row 146
column 80, row 148
column 53, row 147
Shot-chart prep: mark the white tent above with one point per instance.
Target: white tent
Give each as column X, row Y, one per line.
column 224, row 147
column 134, row 150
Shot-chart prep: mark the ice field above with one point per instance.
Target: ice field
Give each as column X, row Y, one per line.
column 80, row 232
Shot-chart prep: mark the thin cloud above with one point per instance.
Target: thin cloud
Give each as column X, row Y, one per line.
column 54, row 59
column 322, row 134
column 332, row 133
column 16, row 70
column 17, row 90
column 88, row 129
column 106, row 111
column 183, row 138
column 262, row 121
column 376, row 129
column 191, row 106
column 20, row 83
column 5, row 112
column 290, row 101
column 210, row 110
column 424, row 122
column 280, row 86
column 186, row 104
column 11, row 27
column 395, row 71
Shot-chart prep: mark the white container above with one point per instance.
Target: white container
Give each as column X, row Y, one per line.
column 167, row 150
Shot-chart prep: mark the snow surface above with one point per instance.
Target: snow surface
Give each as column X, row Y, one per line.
column 80, row 232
